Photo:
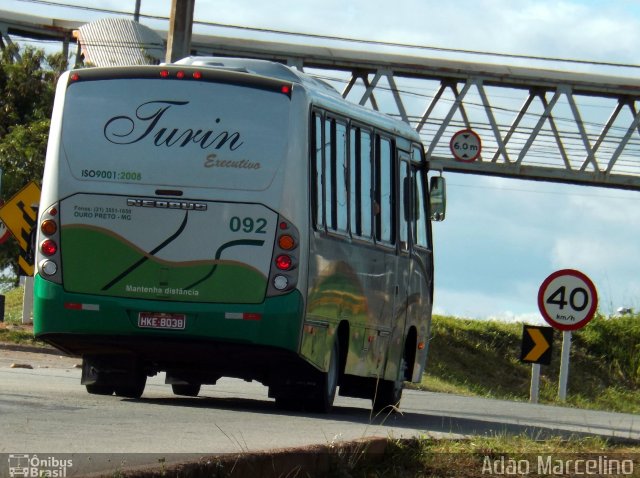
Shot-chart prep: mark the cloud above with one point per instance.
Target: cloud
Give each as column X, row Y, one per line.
column 616, row 209
column 611, row 264
column 480, row 305
column 594, row 253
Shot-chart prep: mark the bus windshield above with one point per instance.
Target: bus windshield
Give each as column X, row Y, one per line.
column 201, row 134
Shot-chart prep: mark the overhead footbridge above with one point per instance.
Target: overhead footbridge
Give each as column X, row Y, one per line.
column 528, row 123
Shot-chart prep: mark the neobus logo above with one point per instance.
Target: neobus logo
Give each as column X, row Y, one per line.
column 183, row 205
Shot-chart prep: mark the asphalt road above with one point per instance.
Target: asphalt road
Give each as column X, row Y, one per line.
column 45, row 410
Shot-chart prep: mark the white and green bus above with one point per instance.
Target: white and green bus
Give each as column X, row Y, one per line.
column 223, row 217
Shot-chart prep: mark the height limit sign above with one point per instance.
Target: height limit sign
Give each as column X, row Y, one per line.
column 466, row 145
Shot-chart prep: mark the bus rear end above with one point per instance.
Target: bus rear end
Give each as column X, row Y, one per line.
column 162, row 245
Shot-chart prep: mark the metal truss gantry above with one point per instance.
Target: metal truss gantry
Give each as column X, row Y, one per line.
column 533, row 123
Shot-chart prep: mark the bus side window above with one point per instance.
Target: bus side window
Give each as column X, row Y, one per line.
column 366, row 188
column 340, row 160
column 421, row 216
column 318, row 170
column 384, row 191
column 354, row 181
column 406, row 206
column 329, row 175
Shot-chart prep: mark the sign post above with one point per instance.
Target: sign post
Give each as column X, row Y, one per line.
column 567, row 300
column 536, row 349
column 534, row 389
column 564, row 365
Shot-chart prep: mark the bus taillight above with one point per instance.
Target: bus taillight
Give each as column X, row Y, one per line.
column 48, row 247
column 286, row 242
column 48, row 252
column 48, row 227
column 284, row 262
column 49, row 267
column 280, row 282
column 283, row 276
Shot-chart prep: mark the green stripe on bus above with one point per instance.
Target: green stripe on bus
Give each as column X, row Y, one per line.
column 87, row 271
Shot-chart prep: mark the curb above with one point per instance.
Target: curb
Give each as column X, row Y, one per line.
column 313, row 460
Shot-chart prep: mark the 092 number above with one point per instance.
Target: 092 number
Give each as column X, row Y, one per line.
column 248, row 225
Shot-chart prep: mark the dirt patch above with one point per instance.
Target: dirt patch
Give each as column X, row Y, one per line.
column 36, row 357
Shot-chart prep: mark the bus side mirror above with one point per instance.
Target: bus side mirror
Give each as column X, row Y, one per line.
column 438, row 194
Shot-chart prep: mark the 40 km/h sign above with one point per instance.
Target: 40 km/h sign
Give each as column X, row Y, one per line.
column 567, row 299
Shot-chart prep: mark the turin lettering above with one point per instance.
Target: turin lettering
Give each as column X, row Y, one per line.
column 146, row 123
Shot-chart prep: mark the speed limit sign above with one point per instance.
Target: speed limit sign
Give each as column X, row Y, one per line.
column 567, row 299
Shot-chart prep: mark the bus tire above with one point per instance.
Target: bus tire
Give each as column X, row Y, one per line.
column 325, row 392
column 186, row 389
column 132, row 390
column 387, row 396
column 99, row 389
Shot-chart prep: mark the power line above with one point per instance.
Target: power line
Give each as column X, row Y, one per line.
column 533, row 191
column 350, row 39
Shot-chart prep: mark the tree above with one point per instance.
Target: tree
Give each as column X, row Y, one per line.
column 27, row 88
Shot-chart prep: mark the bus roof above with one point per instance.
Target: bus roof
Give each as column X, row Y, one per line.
column 319, row 92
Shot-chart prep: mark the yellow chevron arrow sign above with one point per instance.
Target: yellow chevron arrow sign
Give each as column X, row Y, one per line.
column 536, row 344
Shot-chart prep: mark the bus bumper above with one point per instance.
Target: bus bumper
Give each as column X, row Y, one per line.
column 82, row 324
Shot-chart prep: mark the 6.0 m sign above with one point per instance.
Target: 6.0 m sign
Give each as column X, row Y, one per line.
column 567, row 299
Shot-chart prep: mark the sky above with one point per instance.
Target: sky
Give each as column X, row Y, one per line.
column 502, row 237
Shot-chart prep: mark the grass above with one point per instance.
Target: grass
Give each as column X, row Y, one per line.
column 13, row 306
column 488, row 456
column 482, row 358
column 415, row 457
column 12, row 330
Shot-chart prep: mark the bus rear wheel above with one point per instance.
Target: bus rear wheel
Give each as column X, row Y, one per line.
column 134, row 389
column 388, row 395
column 325, row 392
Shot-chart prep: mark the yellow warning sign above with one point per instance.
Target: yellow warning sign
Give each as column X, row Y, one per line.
column 537, row 344
column 20, row 214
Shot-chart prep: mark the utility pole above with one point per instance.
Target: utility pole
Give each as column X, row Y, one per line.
column 136, row 13
column 180, row 24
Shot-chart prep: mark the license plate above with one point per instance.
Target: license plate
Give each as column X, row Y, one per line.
column 160, row 320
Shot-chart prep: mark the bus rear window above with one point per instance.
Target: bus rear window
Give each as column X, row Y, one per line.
column 174, row 133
